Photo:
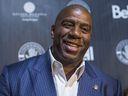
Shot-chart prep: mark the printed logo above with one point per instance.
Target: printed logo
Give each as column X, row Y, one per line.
column 118, row 13
column 89, row 56
column 29, row 7
column 122, row 51
column 30, row 49
column 29, row 13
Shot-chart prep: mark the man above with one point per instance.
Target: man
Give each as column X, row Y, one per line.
column 61, row 71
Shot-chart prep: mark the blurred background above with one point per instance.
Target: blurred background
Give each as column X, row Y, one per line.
column 25, row 27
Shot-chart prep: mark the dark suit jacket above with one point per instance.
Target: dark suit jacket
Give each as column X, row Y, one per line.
column 33, row 77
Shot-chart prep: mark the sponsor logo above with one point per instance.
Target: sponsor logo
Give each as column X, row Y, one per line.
column 89, row 56
column 29, row 13
column 118, row 13
column 30, row 49
column 29, row 7
column 122, row 51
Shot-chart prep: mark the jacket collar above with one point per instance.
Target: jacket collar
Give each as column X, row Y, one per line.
column 41, row 76
column 89, row 83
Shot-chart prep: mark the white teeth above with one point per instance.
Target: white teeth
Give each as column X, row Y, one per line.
column 73, row 45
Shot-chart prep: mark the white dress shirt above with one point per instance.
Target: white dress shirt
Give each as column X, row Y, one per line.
column 64, row 87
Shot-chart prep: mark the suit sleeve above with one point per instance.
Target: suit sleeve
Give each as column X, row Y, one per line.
column 4, row 83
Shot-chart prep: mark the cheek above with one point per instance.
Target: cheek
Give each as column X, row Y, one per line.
column 87, row 38
column 86, row 44
column 58, row 37
column 63, row 31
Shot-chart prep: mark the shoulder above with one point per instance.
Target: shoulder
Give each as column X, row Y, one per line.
column 104, row 78
column 108, row 83
column 22, row 65
column 100, row 73
column 19, row 68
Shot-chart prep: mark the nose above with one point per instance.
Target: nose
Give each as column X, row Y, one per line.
column 76, row 33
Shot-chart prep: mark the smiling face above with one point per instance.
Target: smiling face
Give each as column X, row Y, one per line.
column 71, row 34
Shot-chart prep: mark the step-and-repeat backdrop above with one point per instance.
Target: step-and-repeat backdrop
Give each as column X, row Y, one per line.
column 25, row 27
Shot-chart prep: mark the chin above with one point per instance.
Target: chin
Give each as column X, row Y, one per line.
column 70, row 56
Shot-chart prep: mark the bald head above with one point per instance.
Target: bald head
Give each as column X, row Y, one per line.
column 81, row 3
column 71, row 8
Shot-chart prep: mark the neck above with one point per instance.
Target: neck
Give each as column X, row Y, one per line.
column 70, row 69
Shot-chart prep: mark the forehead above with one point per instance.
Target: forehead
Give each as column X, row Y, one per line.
column 74, row 11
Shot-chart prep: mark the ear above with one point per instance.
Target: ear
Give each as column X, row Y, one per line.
column 52, row 31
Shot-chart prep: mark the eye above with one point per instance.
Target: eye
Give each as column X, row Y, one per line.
column 67, row 24
column 85, row 29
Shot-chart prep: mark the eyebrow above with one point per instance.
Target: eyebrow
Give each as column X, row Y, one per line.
column 72, row 21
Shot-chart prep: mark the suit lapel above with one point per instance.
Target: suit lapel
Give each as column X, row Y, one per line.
column 43, row 84
column 89, row 84
column 41, row 76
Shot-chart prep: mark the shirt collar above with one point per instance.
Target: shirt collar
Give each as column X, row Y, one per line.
column 56, row 66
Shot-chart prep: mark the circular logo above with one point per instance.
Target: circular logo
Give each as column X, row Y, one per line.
column 122, row 51
column 29, row 7
column 29, row 50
